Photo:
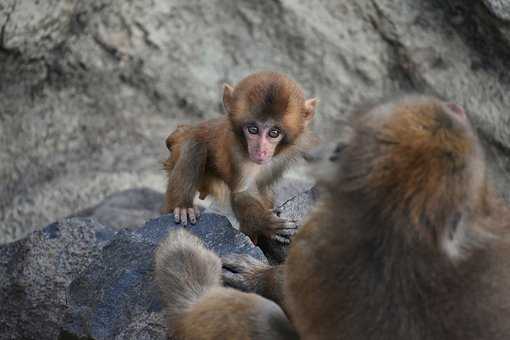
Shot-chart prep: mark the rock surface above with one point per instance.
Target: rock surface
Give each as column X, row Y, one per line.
column 126, row 209
column 116, row 297
column 35, row 273
column 80, row 278
column 90, row 89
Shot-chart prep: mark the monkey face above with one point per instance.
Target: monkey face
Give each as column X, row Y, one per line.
column 267, row 103
column 261, row 140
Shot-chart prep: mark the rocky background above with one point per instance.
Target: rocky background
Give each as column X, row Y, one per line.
column 83, row 278
column 90, row 89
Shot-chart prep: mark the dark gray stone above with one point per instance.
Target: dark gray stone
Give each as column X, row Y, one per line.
column 36, row 271
column 115, row 298
column 101, row 281
column 295, row 207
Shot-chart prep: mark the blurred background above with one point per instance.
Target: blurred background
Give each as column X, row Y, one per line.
column 89, row 90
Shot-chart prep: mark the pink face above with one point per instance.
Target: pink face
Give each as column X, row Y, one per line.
column 262, row 140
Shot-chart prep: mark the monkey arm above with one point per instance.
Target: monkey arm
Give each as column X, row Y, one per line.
column 248, row 274
column 184, row 179
column 256, row 220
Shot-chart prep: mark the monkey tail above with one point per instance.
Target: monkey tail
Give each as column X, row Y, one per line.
column 184, row 271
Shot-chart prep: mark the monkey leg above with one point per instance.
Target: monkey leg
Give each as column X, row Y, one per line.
column 255, row 220
column 184, row 179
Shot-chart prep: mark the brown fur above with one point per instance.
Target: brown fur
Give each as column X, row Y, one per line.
column 408, row 242
column 268, row 95
column 212, row 155
column 248, row 274
column 198, row 308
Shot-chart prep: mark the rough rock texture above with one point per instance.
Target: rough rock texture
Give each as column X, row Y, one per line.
column 294, row 201
column 133, row 207
column 90, row 89
column 499, row 8
column 35, row 273
column 126, row 209
column 294, row 198
column 77, row 279
column 116, row 297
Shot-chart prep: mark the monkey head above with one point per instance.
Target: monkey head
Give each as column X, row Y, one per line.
column 268, row 112
column 415, row 162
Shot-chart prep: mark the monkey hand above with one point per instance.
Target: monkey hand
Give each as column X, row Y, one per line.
column 279, row 229
column 242, row 271
column 183, row 215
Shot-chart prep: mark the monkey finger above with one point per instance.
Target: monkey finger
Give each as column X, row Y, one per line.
column 197, row 212
column 234, row 280
column 191, row 214
column 232, row 263
column 184, row 217
column 287, row 232
column 240, row 262
column 280, row 239
column 275, row 211
column 285, row 224
column 177, row 215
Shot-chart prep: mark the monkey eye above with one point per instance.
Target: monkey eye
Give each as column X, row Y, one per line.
column 274, row 133
column 253, row 130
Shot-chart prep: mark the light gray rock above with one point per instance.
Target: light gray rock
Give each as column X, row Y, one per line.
column 126, row 209
column 90, row 89
column 500, row 8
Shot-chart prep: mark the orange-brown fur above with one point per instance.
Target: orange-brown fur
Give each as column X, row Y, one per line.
column 213, row 154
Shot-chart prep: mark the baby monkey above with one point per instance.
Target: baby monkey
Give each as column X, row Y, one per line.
column 409, row 240
column 237, row 158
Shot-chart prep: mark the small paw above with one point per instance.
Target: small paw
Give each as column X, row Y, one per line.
column 185, row 215
column 283, row 229
column 239, row 271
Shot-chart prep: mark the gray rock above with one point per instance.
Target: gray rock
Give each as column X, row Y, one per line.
column 78, row 279
column 294, row 201
column 126, row 209
column 116, row 297
column 132, row 208
column 500, row 8
column 90, row 89
column 35, row 273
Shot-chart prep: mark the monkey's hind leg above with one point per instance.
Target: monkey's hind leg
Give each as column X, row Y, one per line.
column 185, row 174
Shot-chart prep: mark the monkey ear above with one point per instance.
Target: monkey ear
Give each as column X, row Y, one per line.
column 310, row 105
column 228, row 97
column 456, row 109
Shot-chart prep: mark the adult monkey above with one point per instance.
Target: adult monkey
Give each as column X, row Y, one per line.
column 238, row 157
column 409, row 242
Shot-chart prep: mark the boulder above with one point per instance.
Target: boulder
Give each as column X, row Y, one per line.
column 126, row 209
column 79, row 278
column 116, row 298
column 35, row 274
